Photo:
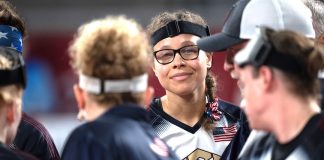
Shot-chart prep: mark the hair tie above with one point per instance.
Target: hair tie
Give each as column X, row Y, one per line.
column 212, row 111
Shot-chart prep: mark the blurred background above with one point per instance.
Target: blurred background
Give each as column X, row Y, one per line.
column 51, row 25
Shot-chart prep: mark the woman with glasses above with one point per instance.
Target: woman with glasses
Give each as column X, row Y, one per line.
column 188, row 117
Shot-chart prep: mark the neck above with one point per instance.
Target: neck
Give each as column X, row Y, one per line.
column 292, row 116
column 95, row 110
column 188, row 109
column 3, row 137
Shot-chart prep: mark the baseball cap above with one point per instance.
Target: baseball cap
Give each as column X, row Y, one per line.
column 276, row 14
column 230, row 34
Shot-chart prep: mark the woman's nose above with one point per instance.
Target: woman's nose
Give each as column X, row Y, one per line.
column 178, row 61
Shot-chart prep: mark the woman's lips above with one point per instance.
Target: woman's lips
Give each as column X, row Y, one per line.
column 180, row 76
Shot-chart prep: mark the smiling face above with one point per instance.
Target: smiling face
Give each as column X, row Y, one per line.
column 181, row 76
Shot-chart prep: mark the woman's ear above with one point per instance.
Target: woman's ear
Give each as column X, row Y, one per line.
column 153, row 69
column 209, row 59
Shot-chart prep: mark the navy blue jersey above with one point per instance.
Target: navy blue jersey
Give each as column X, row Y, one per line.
column 33, row 138
column 308, row 145
column 122, row 133
column 234, row 148
column 8, row 154
column 224, row 141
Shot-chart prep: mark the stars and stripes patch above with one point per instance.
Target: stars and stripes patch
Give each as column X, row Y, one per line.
column 228, row 134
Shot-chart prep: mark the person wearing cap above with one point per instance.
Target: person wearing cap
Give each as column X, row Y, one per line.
column 229, row 38
column 111, row 58
column 317, row 8
column 278, row 75
column 189, row 117
column 32, row 137
column 240, row 26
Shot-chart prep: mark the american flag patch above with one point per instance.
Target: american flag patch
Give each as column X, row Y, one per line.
column 227, row 135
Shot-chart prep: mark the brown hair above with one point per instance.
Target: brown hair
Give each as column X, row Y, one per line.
column 111, row 48
column 163, row 19
column 9, row 16
column 9, row 60
column 304, row 83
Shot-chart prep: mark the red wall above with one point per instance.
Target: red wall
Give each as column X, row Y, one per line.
column 52, row 48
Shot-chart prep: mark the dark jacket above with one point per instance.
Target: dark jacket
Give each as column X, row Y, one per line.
column 8, row 154
column 33, row 138
column 122, row 133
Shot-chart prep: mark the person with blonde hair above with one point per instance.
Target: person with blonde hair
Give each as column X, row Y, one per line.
column 278, row 74
column 12, row 84
column 32, row 137
column 111, row 58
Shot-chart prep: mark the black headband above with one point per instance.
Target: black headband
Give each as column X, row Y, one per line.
column 175, row 28
column 16, row 76
column 259, row 51
column 284, row 62
column 13, row 76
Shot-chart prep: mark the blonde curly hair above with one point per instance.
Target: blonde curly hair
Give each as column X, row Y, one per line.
column 111, row 48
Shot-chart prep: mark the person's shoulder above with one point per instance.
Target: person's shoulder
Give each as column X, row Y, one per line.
column 7, row 154
column 101, row 129
column 88, row 129
column 84, row 144
column 83, row 136
column 229, row 109
column 32, row 126
column 155, row 110
column 258, row 141
column 34, row 138
column 24, row 155
column 155, row 104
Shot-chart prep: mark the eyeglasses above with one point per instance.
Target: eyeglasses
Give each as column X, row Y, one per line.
column 166, row 56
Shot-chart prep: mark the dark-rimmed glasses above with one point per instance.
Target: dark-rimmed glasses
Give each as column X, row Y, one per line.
column 166, row 56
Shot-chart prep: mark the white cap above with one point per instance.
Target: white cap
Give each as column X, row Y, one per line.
column 276, row 14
